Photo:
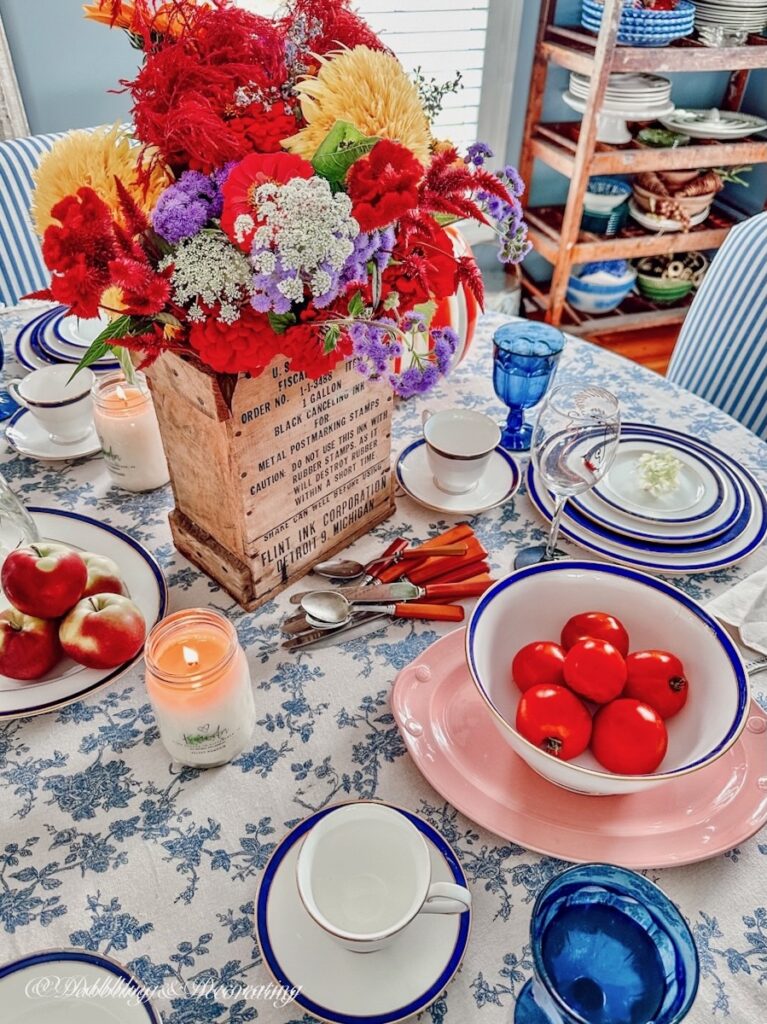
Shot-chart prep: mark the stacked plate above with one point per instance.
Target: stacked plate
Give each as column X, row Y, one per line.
column 713, row 124
column 715, row 516
column 628, row 92
column 55, row 337
column 733, row 15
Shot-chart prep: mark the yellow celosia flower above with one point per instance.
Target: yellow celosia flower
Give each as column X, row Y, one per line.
column 369, row 89
column 112, row 302
column 94, row 159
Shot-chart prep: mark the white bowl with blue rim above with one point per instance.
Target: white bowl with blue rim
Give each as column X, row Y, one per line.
column 600, row 287
column 606, row 194
column 535, row 603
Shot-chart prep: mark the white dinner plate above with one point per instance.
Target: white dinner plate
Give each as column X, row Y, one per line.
column 342, row 987
column 72, row 986
column 700, row 486
column 143, row 577
column 734, row 546
column 31, row 355
column 653, row 222
column 696, row 123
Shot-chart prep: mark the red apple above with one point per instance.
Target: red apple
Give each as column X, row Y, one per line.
column 29, row 647
column 44, row 580
column 103, row 576
column 103, row 631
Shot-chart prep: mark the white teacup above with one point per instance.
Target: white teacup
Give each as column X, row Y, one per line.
column 62, row 407
column 459, row 443
column 364, row 874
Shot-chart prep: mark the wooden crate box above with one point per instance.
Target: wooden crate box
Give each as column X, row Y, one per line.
column 271, row 474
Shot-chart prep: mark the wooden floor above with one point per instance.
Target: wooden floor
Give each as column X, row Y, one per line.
column 650, row 348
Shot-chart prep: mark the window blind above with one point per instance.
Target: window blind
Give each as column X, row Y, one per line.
column 441, row 37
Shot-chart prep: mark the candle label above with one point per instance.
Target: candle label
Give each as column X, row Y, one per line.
column 278, row 473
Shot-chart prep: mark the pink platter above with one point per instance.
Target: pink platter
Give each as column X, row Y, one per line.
column 458, row 749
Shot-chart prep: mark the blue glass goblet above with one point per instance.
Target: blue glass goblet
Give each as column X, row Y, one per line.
column 525, row 357
column 7, row 405
column 608, row 948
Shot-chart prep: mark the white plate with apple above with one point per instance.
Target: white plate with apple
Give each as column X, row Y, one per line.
column 83, row 601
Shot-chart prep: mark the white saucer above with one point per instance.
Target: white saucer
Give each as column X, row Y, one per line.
column 653, row 222
column 337, row 985
column 499, row 483
column 47, row 986
column 25, row 435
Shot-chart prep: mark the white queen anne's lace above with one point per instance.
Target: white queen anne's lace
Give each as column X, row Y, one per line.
column 208, row 269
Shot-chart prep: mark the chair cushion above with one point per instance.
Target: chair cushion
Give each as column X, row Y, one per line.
column 721, row 354
column 21, row 263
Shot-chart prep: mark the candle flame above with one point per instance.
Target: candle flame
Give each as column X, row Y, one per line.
column 121, row 393
column 191, row 657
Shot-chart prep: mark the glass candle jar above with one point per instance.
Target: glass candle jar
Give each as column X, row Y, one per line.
column 198, row 682
column 126, row 423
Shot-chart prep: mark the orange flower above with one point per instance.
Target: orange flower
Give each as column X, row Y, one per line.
column 115, row 13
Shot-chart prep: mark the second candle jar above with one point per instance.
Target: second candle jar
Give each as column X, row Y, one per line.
column 198, row 681
column 126, row 423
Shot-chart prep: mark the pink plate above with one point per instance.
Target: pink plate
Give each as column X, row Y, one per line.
column 457, row 747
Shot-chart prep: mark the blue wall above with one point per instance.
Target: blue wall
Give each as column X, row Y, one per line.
column 66, row 65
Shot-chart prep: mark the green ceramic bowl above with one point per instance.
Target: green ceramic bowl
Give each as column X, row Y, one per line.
column 661, row 138
column 663, row 290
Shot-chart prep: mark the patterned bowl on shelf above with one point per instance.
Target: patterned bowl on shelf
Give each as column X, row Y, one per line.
column 663, row 290
column 640, row 26
column 600, row 287
column 605, row 224
column 661, row 138
column 604, row 194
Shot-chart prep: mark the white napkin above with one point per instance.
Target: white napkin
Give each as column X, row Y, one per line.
column 744, row 608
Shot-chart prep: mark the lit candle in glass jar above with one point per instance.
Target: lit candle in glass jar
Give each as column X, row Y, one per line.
column 126, row 424
column 198, row 682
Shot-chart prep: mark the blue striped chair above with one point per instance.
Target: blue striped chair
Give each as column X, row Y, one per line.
column 721, row 353
column 21, row 263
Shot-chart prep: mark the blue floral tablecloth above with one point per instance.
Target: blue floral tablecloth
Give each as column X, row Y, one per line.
column 106, row 846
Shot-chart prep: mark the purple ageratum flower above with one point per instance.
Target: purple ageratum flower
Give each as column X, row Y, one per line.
column 373, row 245
column 477, row 153
column 511, row 177
column 187, row 205
column 444, row 345
column 376, row 347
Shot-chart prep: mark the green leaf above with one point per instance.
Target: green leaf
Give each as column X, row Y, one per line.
column 427, row 309
column 332, row 334
column 279, row 322
column 375, row 284
column 446, row 219
column 339, row 149
column 116, row 329
column 356, row 305
column 126, row 363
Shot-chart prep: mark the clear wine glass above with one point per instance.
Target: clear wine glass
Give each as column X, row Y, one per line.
column 574, row 443
column 17, row 528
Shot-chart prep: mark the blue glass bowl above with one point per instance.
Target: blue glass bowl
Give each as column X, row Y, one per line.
column 644, row 27
column 608, row 947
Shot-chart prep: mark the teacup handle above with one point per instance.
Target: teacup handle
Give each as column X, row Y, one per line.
column 426, row 415
column 12, row 387
column 446, row 898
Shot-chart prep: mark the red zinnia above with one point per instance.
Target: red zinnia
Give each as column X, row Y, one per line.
column 384, row 184
column 424, row 268
column 246, row 346
column 240, row 187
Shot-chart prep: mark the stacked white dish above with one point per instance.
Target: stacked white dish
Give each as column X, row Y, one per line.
column 713, row 124
column 733, row 15
column 55, row 337
column 630, row 96
column 715, row 515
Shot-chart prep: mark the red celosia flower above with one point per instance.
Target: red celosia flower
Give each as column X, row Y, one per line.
column 384, row 184
column 144, row 291
column 241, row 184
column 262, row 127
column 424, row 267
column 78, row 251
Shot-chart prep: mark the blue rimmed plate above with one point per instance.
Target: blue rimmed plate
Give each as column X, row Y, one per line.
column 52, row 338
column 499, row 483
column 342, row 987
column 729, row 548
column 730, row 499
column 69, row 682
column 31, row 354
column 63, row 985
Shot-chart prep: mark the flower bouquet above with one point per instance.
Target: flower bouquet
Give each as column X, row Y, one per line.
column 283, row 195
column 277, row 228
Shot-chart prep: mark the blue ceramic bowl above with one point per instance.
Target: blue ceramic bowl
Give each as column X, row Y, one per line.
column 642, row 27
column 604, row 194
column 589, row 297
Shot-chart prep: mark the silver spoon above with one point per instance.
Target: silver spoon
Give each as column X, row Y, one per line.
column 326, row 606
column 340, row 569
column 347, row 569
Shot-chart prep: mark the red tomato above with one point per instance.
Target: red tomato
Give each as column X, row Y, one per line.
column 629, row 737
column 657, row 678
column 595, row 670
column 555, row 720
column 539, row 662
column 595, row 626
